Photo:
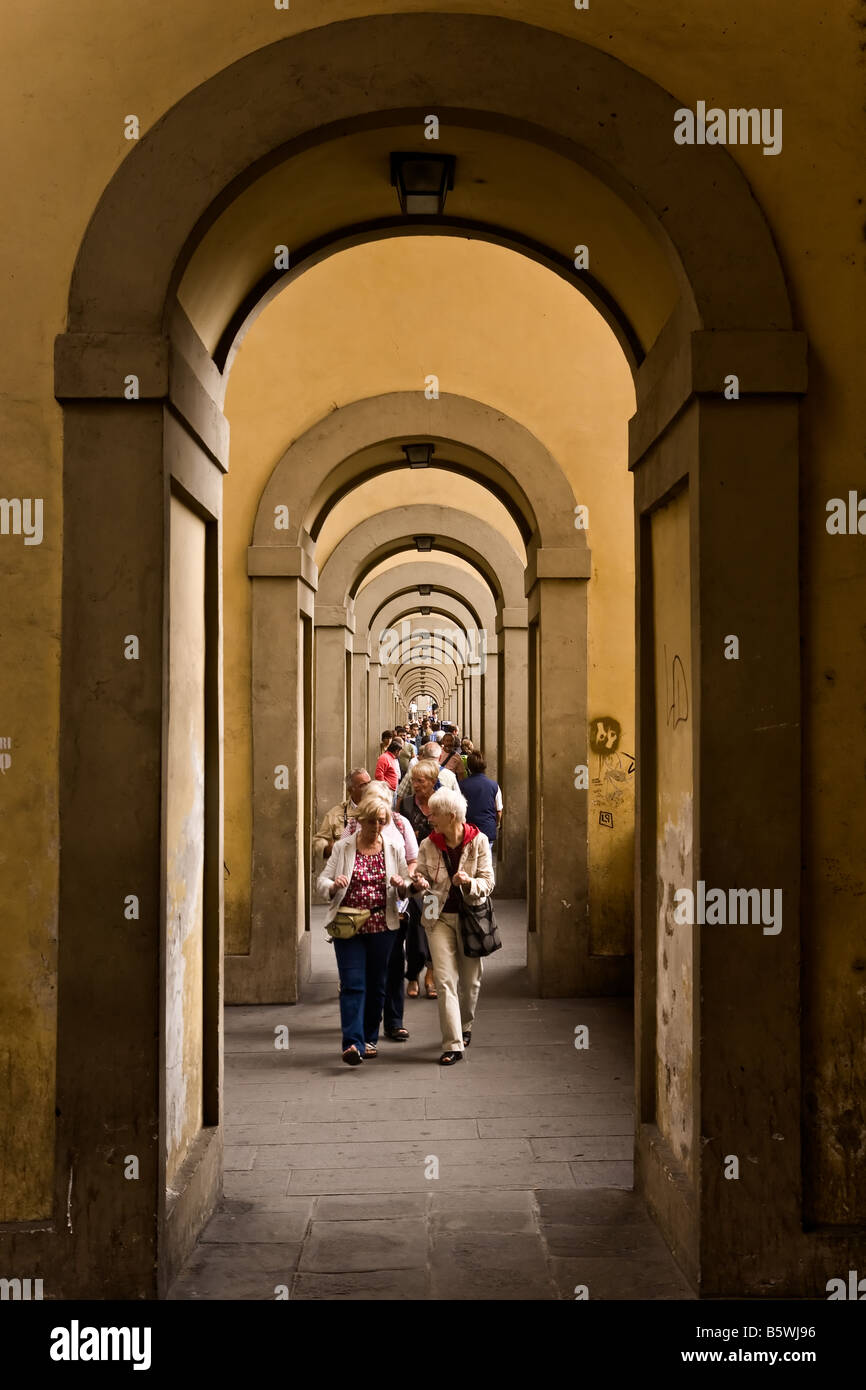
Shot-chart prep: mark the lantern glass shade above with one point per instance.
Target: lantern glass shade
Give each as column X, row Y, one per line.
column 418, row 455
column 422, row 182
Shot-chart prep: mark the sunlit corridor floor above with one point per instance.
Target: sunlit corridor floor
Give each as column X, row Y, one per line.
column 330, row 1190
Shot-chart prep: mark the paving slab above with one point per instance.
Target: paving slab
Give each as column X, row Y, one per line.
column 411, row 1178
column 372, row 1206
column 584, row 1147
column 390, row 1285
column 612, row 1279
column 342, row 1246
column 604, row 1173
column 591, row 1207
column 609, row 1240
column 237, row 1271
column 394, row 1155
column 489, row 1265
column 254, row 1226
column 447, row 1106
column 552, row 1126
column 355, row 1132
column 484, row 1212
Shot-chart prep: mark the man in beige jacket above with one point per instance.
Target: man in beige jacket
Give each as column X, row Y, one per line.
column 336, row 820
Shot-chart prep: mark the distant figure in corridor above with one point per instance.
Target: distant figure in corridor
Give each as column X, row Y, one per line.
column 388, row 768
column 455, row 859
column 429, row 752
column 450, row 759
column 483, row 796
column 367, row 870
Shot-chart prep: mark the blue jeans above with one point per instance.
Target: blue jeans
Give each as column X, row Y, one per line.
column 362, row 963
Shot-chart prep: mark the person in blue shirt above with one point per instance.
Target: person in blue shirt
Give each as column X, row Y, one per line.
column 483, row 796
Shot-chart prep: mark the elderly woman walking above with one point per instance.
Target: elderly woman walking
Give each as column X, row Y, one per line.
column 424, row 781
column 455, row 859
column 368, row 870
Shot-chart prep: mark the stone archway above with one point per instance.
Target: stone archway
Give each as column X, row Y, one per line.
column 695, row 457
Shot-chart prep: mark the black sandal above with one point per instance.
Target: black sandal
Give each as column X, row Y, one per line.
column 467, row 1038
column 397, row 1034
column 352, row 1056
column 449, row 1058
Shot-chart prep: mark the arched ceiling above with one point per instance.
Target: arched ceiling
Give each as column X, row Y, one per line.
column 337, row 192
column 392, row 562
column 409, row 486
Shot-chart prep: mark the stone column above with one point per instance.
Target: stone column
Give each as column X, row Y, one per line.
column 475, row 680
column 278, row 962
column 371, row 751
column 384, row 708
column 334, row 629
column 123, row 462
column 560, row 955
column 718, row 802
column 490, row 707
column 514, row 752
column 360, row 711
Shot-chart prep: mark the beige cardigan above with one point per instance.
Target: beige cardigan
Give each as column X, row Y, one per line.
column 476, row 861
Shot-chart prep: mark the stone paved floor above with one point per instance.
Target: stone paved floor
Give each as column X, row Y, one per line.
column 326, row 1175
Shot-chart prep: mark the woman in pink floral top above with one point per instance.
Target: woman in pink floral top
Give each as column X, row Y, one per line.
column 365, row 870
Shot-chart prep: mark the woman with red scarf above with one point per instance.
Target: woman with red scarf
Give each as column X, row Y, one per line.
column 455, row 859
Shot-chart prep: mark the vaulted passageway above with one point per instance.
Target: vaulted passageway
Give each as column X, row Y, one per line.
column 596, row 474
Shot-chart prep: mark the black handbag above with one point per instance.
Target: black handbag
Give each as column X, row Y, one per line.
column 478, row 928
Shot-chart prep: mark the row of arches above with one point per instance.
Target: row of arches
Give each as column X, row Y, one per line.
column 685, row 272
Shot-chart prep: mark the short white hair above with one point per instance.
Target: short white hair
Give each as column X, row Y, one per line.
column 449, row 803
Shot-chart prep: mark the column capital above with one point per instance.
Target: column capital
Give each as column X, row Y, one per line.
column 701, row 363
column 334, row 615
column 101, row 367
column 286, row 561
column 511, row 617
column 557, row 562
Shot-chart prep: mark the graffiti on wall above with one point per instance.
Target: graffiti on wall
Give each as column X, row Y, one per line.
column 676, row 691
column 613, row 769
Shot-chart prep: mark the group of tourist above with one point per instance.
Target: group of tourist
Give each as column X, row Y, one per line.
column 401, row 849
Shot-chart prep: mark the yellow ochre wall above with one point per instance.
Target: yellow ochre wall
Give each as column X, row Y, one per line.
column 68, row 77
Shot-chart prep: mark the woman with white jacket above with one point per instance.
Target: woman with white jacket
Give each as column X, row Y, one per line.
column 454, row 860
column 366, row 870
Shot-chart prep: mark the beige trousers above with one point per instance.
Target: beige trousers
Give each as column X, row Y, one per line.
column 458, row 980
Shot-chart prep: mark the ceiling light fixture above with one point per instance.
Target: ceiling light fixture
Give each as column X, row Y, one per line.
column 418, row 455
column 422, row 181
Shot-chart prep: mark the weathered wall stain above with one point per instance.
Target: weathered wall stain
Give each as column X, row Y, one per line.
column 674, row 800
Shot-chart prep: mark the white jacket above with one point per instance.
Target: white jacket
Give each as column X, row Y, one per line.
column 342, row 861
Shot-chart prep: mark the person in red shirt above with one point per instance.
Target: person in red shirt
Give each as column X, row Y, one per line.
column 388, row 768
